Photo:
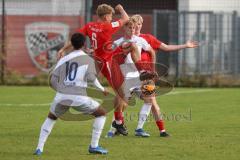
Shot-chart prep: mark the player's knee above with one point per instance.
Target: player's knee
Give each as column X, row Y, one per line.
column 148, row 99
column 155, row 108
column 99, row 112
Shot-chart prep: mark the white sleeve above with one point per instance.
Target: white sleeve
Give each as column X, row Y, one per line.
column 118, row 42
column 98, row 85
column 145, row 45
column 115, row 24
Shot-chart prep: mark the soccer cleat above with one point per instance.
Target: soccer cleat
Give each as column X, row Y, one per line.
column 164, row 134
column 140, row 132
column 38, row 152
column 148, row 75
column 97, row 150
column 120, row 128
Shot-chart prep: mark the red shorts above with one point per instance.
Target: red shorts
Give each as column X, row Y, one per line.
column 146, row 57
column 146, row 62
column 111, row 68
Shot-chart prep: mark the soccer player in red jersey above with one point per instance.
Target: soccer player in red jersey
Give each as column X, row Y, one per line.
column 100, row 34
column 146, row 57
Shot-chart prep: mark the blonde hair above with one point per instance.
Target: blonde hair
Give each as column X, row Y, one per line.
column 104, row 9
column 137, row 18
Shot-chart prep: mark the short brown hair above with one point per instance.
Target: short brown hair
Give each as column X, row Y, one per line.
column 129, row 22
column 137, row 18
column 104, row 9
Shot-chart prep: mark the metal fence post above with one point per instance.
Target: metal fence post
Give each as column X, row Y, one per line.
column 3, row 44
column 177, row 55
column 184, row 61
column 198, row 33
column 88, row 16
column 235, row 40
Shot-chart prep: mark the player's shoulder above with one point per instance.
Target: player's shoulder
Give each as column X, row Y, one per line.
column 71, row 55
column 93, row 24
column 147, row 36
column 139, row 39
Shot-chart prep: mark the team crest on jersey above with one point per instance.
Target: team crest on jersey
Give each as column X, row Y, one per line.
column 43, row 40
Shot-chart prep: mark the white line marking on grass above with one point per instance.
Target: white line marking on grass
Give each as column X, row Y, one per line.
column 193, row 91
column 27, row 104
column 48, row 104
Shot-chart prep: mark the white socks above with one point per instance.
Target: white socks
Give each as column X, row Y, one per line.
column 49, row 123
column 45, row 131
column 97, row 130
column 146, row 108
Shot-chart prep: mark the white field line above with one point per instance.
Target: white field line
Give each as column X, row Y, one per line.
column 25, row 105
column 193, row 91
column 48, row 104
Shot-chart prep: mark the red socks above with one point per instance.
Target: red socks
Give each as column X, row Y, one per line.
column 119, row 117
column 160, row 125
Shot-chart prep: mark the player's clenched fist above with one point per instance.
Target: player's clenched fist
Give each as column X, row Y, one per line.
column 119, row 7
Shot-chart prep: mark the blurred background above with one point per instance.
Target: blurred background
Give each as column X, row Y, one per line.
column 32, row 31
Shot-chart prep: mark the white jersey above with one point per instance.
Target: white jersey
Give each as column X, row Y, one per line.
column 72, row 74
column 141, row 43
column 75, row 74
column 129, row 70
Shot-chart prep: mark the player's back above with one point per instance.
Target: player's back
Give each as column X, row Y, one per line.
column 72, row 73
column 100, row 33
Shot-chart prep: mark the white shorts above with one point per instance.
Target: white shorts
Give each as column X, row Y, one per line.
column 62, row 103
column 128, row 85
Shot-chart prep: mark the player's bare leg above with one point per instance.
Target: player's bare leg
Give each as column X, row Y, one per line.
column 158, row 118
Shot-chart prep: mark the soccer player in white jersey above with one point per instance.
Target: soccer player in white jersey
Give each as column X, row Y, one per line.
column 130, row 70
column 71, row 74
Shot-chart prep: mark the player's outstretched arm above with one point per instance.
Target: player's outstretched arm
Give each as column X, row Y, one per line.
column 169, row 48
column 124, row 16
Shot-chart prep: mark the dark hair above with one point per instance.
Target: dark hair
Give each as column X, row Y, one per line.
column 78, row 40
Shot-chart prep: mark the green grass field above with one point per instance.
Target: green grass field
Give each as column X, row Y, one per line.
column 203, row 123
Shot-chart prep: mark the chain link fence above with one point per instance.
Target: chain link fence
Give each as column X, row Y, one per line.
column 32, row 31
column 218, row 35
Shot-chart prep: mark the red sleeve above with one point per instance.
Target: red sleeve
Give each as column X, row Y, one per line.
column 113, row 27
column 155, row 43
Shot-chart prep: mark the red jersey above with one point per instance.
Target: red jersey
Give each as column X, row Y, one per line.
column 100, row 33
column 154, row 43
